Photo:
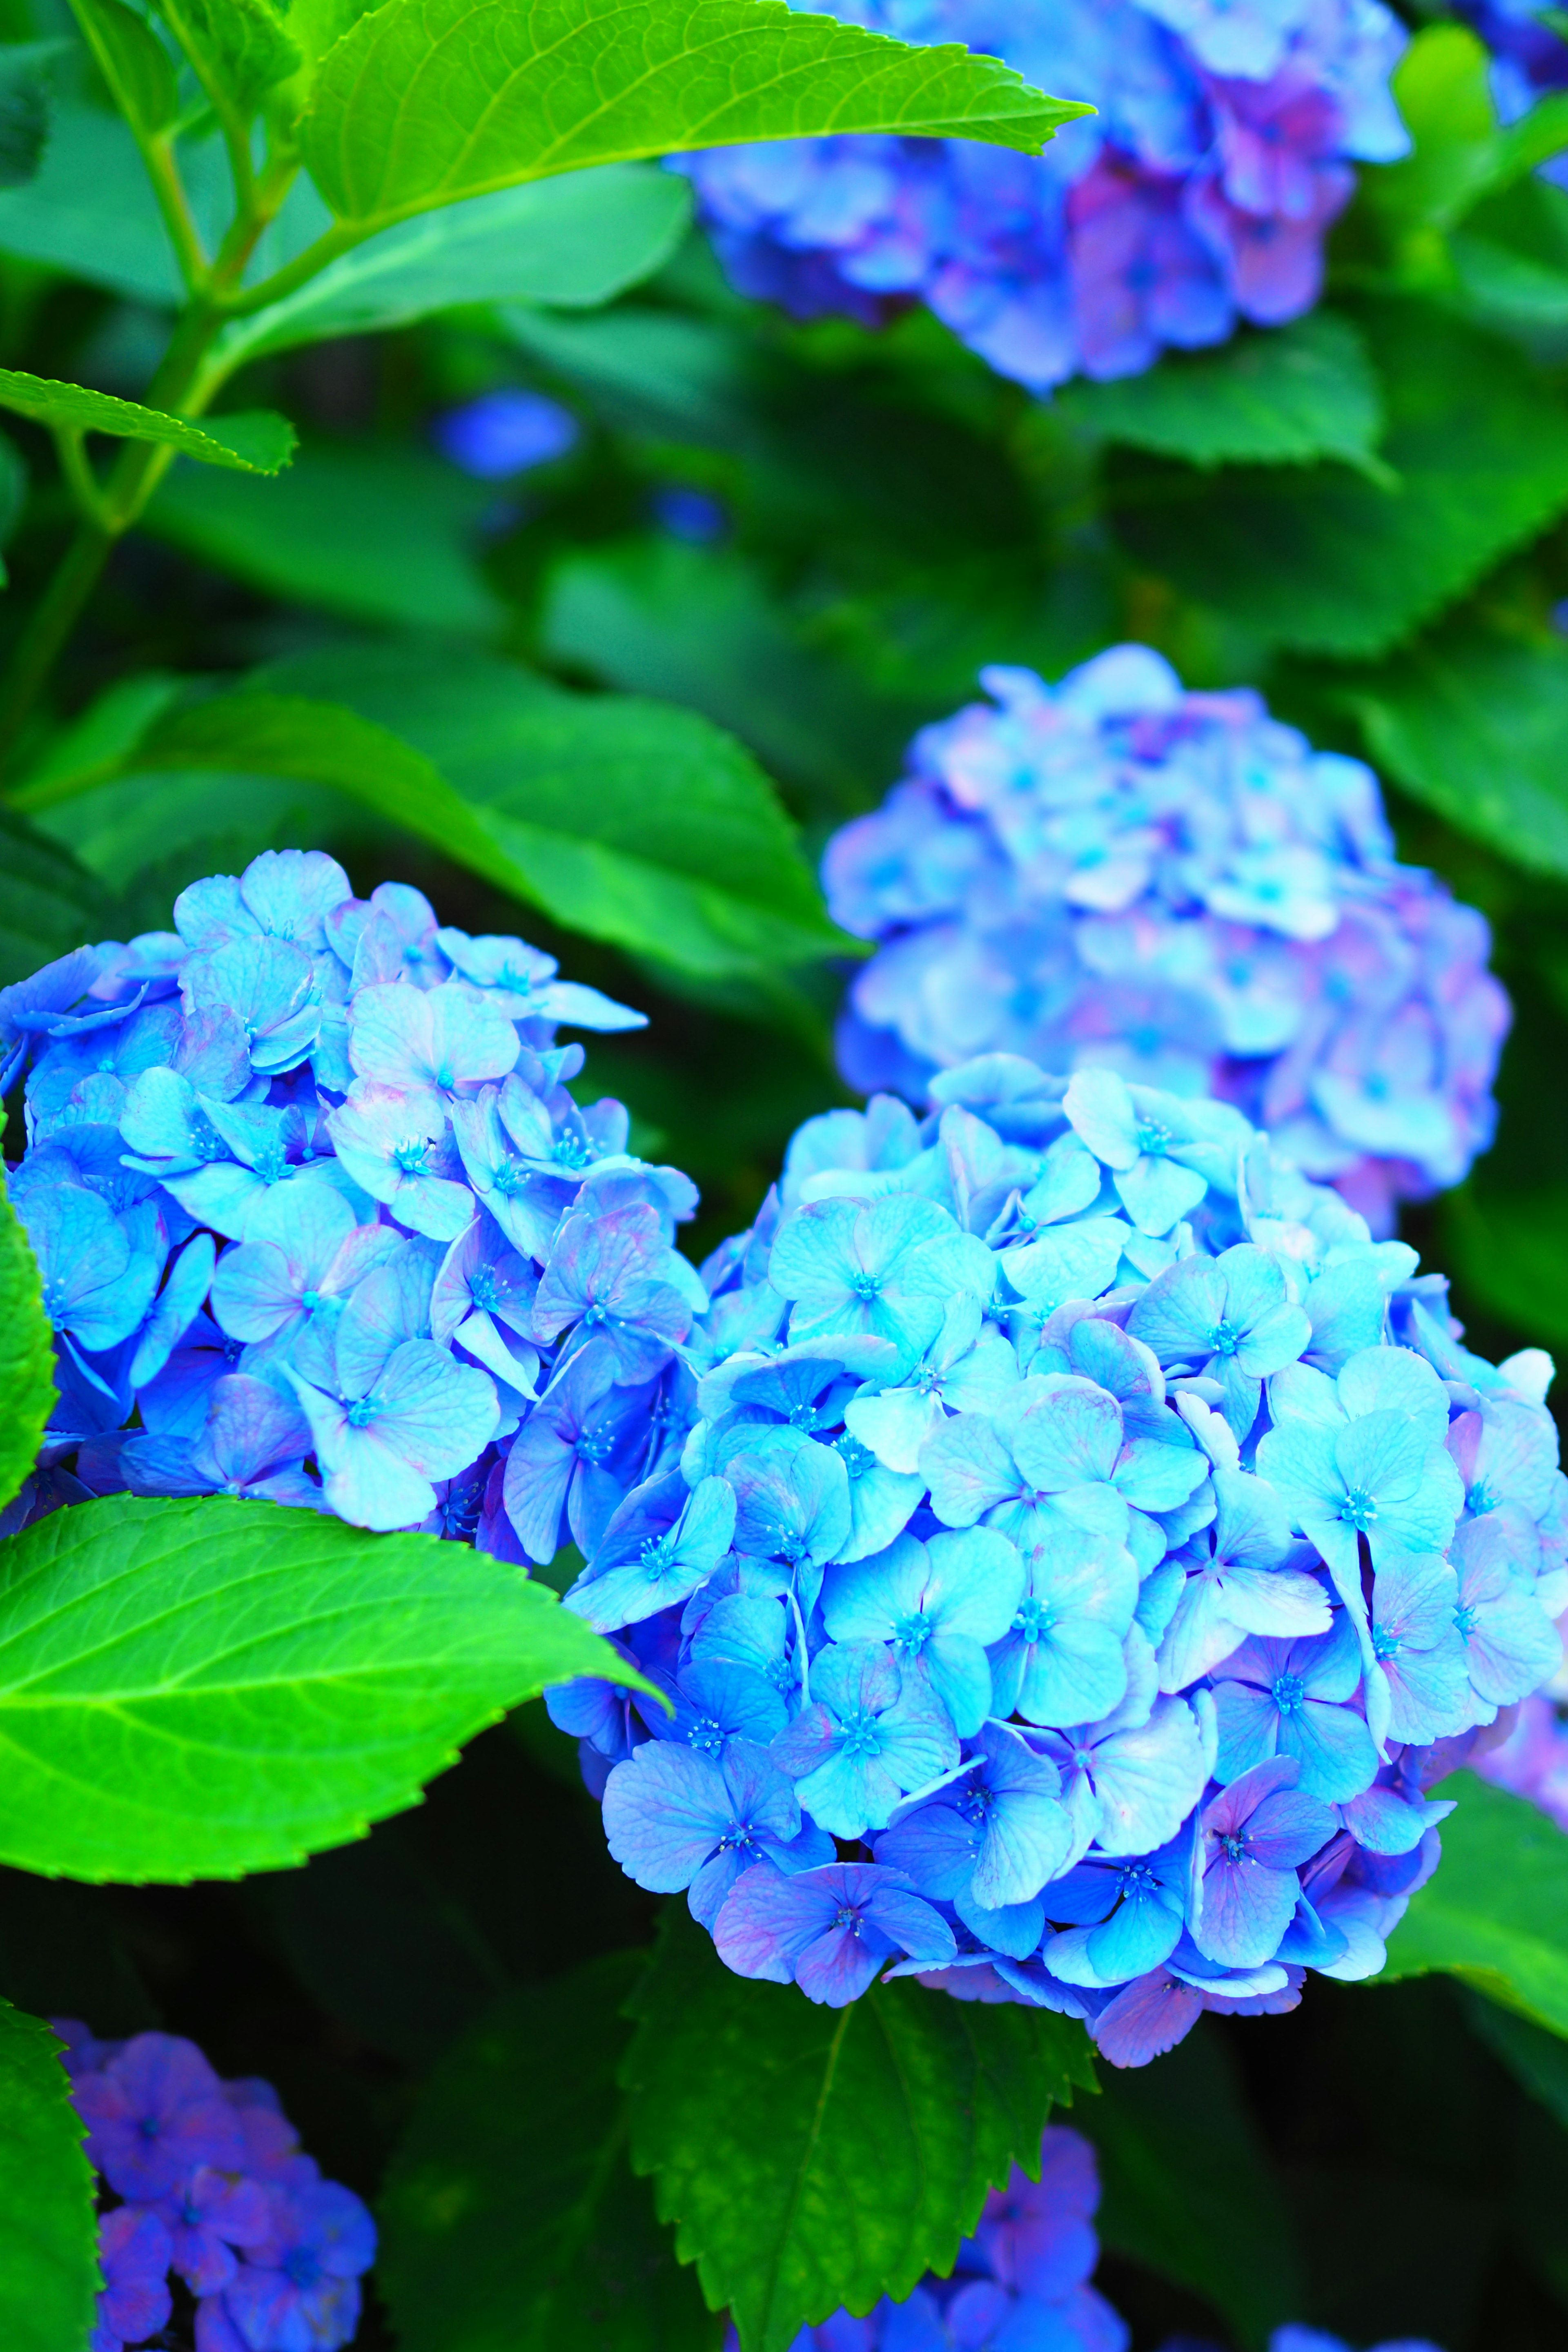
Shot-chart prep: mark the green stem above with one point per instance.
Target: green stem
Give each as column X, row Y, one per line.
column 70, row 447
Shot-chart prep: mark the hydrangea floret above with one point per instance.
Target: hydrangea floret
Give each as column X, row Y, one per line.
column 1199, row 193
column 1087, row 1547
column 1021, row 2283
column 320, row 1221
column 1112, row 870
column 206, row 2202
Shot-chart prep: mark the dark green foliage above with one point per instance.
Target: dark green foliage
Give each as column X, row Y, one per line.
column 49, row 2262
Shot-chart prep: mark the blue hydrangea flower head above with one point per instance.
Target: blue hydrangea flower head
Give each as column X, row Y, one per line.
column 1199, row 193
column 1204, row 1547
column 321, row 1224
column 1114, row 875
column 214, row 2193
column 503, row 433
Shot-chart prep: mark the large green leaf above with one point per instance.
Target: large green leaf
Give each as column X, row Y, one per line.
column 815, row 2157
column 1282, row 398
column 91, row 211
column 426, row 101
column 25, row 107
column 1327, row 562
column 26, row 1356
column 195, row 1689
column 1189, row 2189
column 1506, row 1252
column 49, row 2249
column 510, row 2216
column 48, row 903
column 373, row 531
column 255, row 443
column 1496, row 1914
column 1535, row 2058
column 239, row 48
column 574, row 242
column 134, row 63
column 1476, row 727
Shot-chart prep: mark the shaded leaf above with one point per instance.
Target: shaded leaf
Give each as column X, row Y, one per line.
column 1505, row 1251
column 1280, row 398
column 1536, row 2058
column 1322, row 559
column 200, row 1688
column 510, row 2216
column 1462, row 152
column 24, row 108
column 1189, row 2189
column 91, row 210
column 255, row 443
column 133, row 62
column 238, row 48
column 49, row 2249
column 48, row 902
column 813, row 2157
column 575, row 242
column 26, row 1356
column 379, row 533
column 425, row 101
column 1496, row 1914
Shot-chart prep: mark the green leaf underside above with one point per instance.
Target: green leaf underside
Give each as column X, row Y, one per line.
column 574, row 243
column 48, row 2239
column 1284, row 397
column 632, row 821
column 200, row 1688
column 1188, row 2188
column 1478, row 729
column 426, row 101
column 1496, row 1914
column 510, row 2216
column 27, row 1353
column 375, row 533
column 813, row 2157
column 258, row 443
column 1327, row 561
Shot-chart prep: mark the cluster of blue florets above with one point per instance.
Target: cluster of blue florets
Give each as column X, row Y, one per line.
column 1089, row 1547
column 318, row 1219
column 1111, row 870
column 1199, row 193
column 204, row 2191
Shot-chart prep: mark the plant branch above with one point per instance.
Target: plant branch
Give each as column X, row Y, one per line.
column 70, row 447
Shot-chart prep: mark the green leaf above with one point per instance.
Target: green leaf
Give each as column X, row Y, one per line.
column 48, row 2233
column 26, row 1356
column 48, row 903
column 1280, row 398
column 1506, row 1253
column 509, row 2215
column 1477, row 728
column 1326, row 561
column 238, row 48
column 196, row 1689
column 25, row 107
column 426, row 101
column 91, row 213
column 254, row 443
column 574, row 242
column 1189, row 2190
column 815, row 2157
column 133, row 62
column 1536, row 2058
column 1496, row 1914
column 379, row 533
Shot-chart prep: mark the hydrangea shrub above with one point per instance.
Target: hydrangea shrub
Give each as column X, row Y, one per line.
column 1089, row 1546
column 206, row 2200
column 1112, row 870
column 307, row 1186
column 1224, row 146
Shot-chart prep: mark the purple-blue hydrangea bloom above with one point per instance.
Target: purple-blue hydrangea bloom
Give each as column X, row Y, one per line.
column 1206, row 1547
column 1021, row 2283
column 216, row 2193
column 1111, row 874
column 321, row 1222
column 1199, row 193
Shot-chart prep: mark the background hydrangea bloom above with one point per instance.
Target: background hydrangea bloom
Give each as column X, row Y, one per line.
column 220, row 2207
column 1175, row 885
column 1198, row 194
column 1208, row 1549
column 321, row 1222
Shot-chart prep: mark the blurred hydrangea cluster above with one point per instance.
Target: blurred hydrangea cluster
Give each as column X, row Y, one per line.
column 1200, row 192
column 203, row 2190
column 319, row 1219
column 1090, row 1546
column 1020, row 2284
column 1296, row 2338
column 1530, row 60
column 1113, row 870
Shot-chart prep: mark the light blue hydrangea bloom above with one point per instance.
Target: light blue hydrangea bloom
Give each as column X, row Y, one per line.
column 1114, row 877
column 1206, row 1547
column 1199, row 193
